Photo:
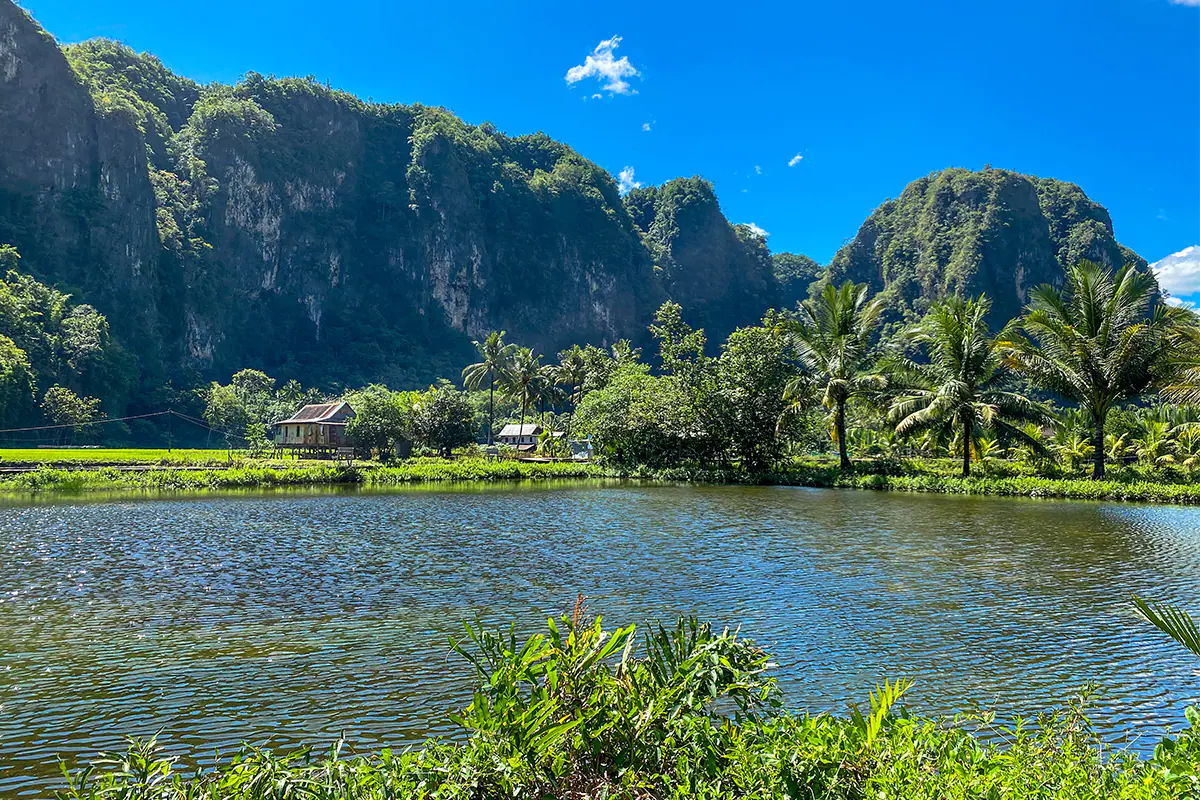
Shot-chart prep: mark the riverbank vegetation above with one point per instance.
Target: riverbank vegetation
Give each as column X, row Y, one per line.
column 252, row 474
column 581, row 711
column 1097, row 377
column 936, row 476
column 1072, row 382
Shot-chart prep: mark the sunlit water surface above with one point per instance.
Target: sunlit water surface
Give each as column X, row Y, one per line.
column 289, row 619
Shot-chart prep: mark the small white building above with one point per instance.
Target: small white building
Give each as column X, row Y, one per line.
column 523, row 437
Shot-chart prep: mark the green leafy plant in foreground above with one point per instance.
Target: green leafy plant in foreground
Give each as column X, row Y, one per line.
column 580, row 711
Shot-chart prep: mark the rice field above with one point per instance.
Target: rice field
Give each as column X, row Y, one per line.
column 113, row 456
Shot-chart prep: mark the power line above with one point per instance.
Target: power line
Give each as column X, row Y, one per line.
column 204, row 425
column 82, row 424
column 170, row 412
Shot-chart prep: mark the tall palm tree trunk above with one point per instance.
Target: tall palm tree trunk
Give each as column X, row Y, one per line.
column 491, row 408
column 840, row 427
column 1098, row 447
column 571, row 409
column 521, row 429
column 966, row 434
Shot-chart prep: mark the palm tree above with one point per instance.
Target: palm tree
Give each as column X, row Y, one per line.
column 961, row 389
column 571, row 372
column 1115, row 446
column 1183, row 385
column 1073, row 445
column 525, row 377
column 1187, row 444
column 1098, row 342
column 932, row 444
column 988, row 451
column 623, row 352
column 832, row 334
column 1154, row 443
column 547, row 390
column 495, row 359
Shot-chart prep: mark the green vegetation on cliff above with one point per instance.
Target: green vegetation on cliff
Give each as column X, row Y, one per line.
column 964, row 233
column 722, row 273
column 47, row 341
column 287, row 226
column 282, row 225
column 795, row 274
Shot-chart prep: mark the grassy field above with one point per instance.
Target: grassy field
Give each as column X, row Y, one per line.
column 109, row 455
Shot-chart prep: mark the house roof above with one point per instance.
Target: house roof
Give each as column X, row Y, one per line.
column 529, row 429
column 318, row 412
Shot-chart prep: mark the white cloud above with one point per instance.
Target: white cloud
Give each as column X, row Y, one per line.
column 757, row 231
column 757, row 170
column 625, row 181
column 645, row 126
column 610, row 71
column 1185, row 2
column 794, row 160
column 1179, row 273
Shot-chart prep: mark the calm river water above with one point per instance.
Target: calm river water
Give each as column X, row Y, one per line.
column 290, row 618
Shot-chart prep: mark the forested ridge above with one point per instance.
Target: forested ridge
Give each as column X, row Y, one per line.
column 180, row 232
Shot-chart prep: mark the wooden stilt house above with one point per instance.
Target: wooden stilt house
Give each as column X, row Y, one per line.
column 315, row 430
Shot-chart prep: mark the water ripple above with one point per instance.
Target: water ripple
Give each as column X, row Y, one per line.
column 292, row 619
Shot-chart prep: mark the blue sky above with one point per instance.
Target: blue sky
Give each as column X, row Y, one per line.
column 1104, row 93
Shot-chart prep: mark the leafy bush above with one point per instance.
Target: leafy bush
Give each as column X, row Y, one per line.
column 584, row 712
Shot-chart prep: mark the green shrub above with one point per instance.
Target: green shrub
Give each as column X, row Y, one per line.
column 585, row 712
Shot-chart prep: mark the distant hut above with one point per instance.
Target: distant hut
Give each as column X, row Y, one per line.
column 523, row 437
column 318, row 430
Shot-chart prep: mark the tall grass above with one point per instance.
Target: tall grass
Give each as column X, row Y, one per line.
column 939, row 478
column 912, row 475
column 479, row 469
column 581, row 711
column 249, row 475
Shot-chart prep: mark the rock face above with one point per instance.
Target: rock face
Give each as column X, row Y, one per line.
column 283, row 225
column 963, row 232
column 289, row 227
column 75, row 193
column 720, row 273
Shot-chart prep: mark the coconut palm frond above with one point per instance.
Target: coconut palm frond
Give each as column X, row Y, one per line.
column 832, row 335
column 1171, row 620
column 1096, row 342
column 956, row 389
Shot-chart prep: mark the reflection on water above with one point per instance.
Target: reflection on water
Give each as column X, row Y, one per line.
column 293, row 618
